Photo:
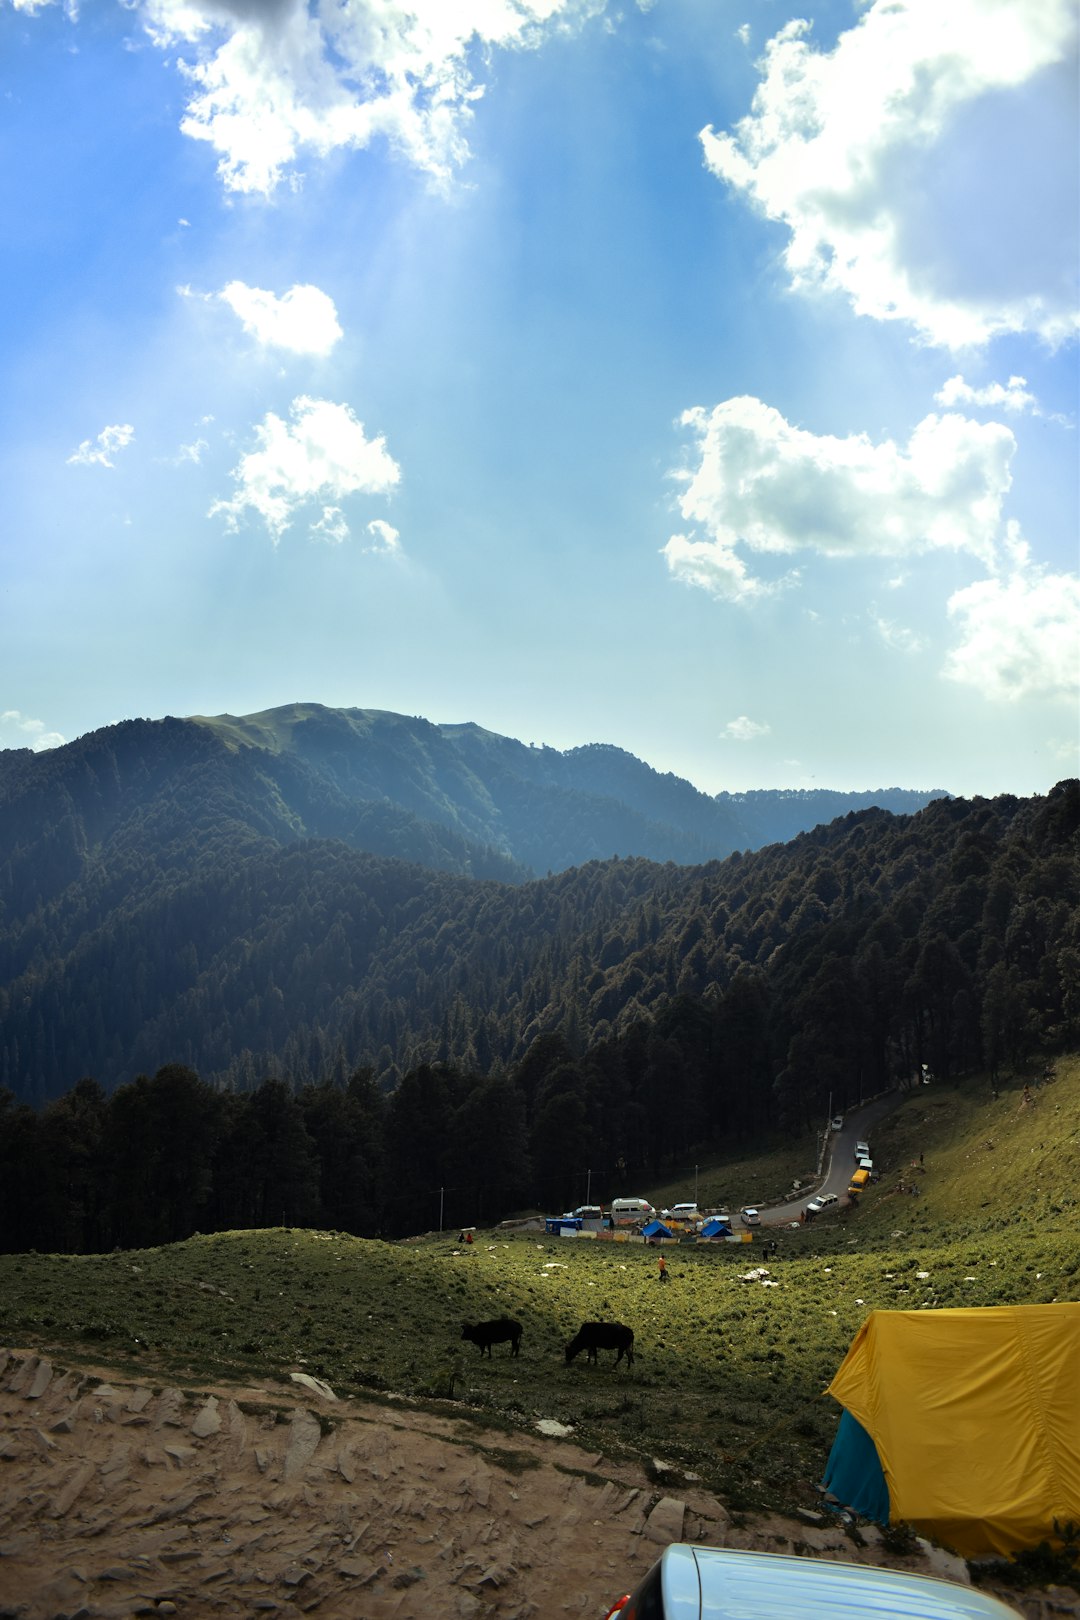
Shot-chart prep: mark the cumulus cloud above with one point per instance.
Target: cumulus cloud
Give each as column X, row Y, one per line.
column 921, row 166
column 1019, row 633
column 767, row 486
column 303, row 320
column 100, row 451
column 275, row 78
column 1011, row 396
column 322, row 454
column 384, row 536
column 27, row 733
column 743, row 729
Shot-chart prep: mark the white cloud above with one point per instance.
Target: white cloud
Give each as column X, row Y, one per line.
column 762, row 484
column 898, row 636
column 273, row 78
column 385, row 536
column 32, row 7
column 323, row 454
column 99, row 452
column 743, row 729
column 1010, row 396
column 303, row 320
column 922, row 165
column 34, row 734
column 332, row 526
column 191, row 452
column 1019, row 633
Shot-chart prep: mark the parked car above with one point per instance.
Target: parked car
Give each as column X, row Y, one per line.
column 714, row 1583
column 862, row 1150
column 826, row 1198
column 866, row 1163
column 684, row 1212
column 749, row 1216
column 814, row 1207
column 838, row 1122
column 630, row 1211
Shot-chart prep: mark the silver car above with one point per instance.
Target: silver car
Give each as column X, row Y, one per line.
column 713, row 1583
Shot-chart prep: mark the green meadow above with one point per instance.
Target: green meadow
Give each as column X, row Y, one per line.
column 731, row 1364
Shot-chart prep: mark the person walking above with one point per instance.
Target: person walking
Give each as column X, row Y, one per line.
column 663, row 1269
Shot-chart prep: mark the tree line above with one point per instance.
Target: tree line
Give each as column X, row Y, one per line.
column 165, row 1156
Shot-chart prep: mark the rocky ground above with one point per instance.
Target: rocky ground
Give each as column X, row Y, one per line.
column 121, row 1499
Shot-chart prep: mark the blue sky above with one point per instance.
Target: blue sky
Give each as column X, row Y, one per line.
column 695, row 376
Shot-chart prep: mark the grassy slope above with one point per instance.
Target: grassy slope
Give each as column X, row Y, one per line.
column 730, row 1374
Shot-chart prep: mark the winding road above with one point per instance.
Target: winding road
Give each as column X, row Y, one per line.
column 858, row 1126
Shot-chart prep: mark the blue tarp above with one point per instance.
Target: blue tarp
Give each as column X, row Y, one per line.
column 657, row 1229
column 716, row 1228
column 853, row 1472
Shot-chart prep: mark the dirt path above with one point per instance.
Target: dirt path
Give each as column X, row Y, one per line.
column 121, row 1499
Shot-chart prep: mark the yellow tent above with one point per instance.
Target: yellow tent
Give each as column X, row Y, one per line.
column 975, row 1417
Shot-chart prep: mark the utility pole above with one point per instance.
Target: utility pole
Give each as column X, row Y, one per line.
column 441, row 1192
column 695, row 1184
column 588, row 1186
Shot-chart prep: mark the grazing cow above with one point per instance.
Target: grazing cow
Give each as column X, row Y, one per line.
column 485, row 1334
column 594, row 1336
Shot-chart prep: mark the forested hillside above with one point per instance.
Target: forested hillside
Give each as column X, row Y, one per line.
column 645, row 1009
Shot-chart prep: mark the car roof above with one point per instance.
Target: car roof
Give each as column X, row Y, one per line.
column 713, row 1583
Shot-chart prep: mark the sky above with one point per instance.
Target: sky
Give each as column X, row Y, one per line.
column 697, row 376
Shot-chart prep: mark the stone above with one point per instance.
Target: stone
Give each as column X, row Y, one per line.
column 944, row 1564
column 181, row 1455
column 208, row 1420
column 316, row 1385
column 304, row 1436
column 41, row 1380
column 665, row 1522
column 24, row 1372
column 72, row 1490
column 170, row 1408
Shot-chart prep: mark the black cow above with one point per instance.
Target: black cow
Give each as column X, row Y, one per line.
column 594, row 1336
column 485, row 1334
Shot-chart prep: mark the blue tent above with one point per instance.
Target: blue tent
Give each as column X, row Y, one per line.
column 853, row 1472
column 716, row 1228
column 657, row 1229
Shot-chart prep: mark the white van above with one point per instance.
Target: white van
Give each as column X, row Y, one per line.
column 628, row 1211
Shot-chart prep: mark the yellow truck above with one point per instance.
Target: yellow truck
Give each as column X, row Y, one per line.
column 859, row 1180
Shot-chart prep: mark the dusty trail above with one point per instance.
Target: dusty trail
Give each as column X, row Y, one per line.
column 124, row 1499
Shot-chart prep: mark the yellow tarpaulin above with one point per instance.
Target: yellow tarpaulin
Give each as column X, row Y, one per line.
column 975, row 1414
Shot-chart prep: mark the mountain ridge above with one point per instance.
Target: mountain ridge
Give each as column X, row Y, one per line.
column 511, row 796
